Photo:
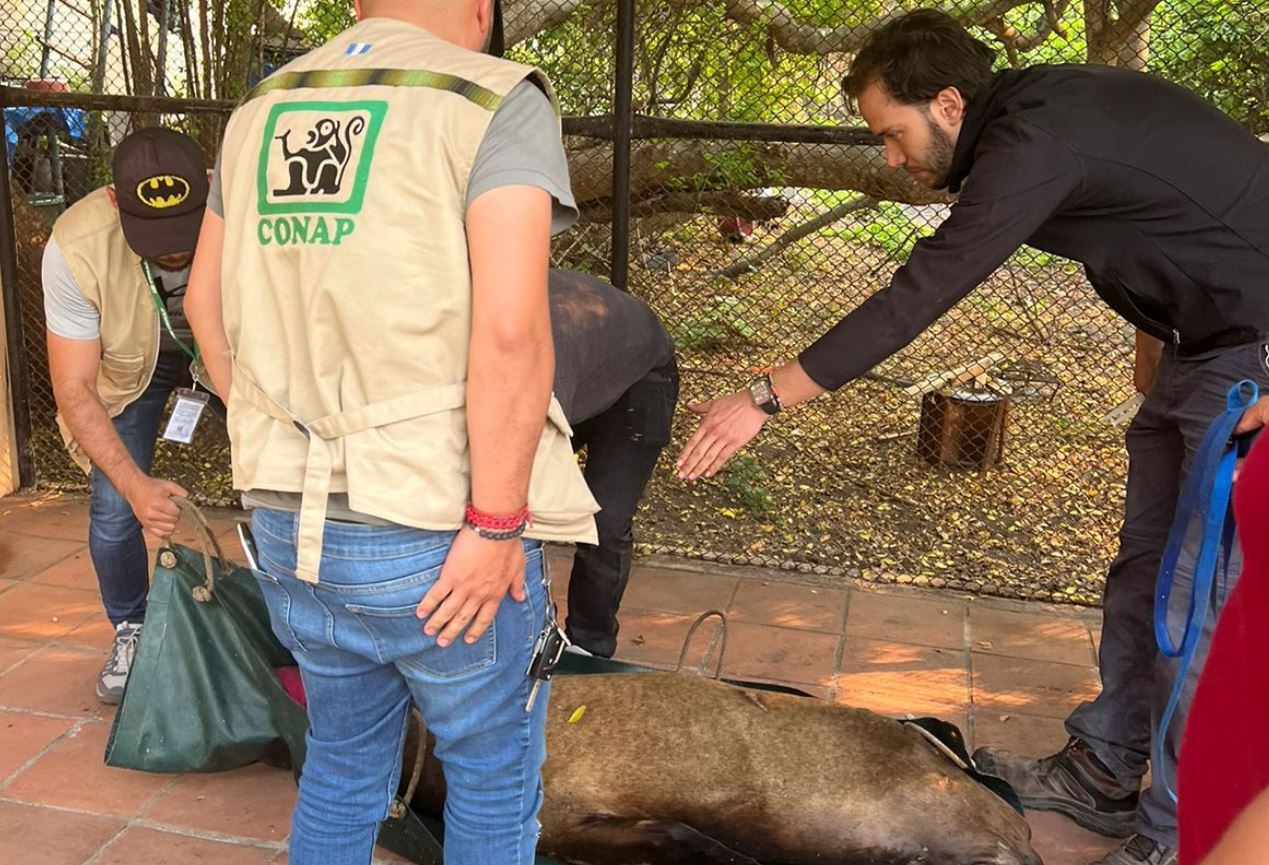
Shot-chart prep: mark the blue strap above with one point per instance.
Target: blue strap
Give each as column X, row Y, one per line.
column 1206, row 494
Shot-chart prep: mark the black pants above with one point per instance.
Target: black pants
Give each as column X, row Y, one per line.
column 622, row 446
column 1137, row 679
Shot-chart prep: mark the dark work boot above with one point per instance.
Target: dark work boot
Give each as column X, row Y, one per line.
column 1072, row 782
column 1139, row 850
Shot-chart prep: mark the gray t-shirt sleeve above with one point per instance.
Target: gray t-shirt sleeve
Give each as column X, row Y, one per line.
column 522, row 147
column 215, row 194
column 67, row 312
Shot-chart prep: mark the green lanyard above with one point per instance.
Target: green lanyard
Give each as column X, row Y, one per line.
column 163, row 316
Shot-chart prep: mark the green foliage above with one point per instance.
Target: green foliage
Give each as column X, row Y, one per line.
column 1220, row 50
column 692, row 61
column 722, row 324
column 888, row 227
column 320, row 20
column 745, row 480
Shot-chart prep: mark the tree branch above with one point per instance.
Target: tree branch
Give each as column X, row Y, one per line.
column 525, row 18
column 724, row 203
column 751, row 263
column 657, row 165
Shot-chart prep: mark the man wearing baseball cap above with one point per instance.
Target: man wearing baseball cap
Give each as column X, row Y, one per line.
column 114, row 275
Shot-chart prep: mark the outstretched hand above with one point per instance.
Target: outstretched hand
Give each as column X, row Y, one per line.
column 728, row 424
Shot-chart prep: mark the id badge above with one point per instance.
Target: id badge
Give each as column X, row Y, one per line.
column 185, row 415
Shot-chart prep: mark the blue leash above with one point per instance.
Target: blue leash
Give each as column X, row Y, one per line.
column 1206, row 493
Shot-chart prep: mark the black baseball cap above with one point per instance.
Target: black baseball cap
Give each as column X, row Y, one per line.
column 160, row 182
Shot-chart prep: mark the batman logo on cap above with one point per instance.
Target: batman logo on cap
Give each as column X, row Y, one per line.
column 163, row 191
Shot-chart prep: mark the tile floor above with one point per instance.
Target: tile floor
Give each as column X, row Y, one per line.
column 1006, row 672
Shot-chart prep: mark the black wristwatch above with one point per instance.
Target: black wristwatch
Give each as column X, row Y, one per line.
column 764, row 395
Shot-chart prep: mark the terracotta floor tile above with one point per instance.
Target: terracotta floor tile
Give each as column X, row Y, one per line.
column 43, row 836
column 253, row 802
column 677, row 591
column 74, row 571
column 780, row 654
column 56, row 679
column 899, row 706
column 23, row 555
column 559, row 558
column 1060, row 842
column 37, row 613
column 1031, row 687
column 140, row 844
column 1024, row 635
column 655, row 638
column 61, row 518
column 73, row 775
column 13, row 651
column 24, row 736
column 789, row 605
column 383, row 856
column 1022, row 734
column 559, row 590
column 881, row 616
column 905, row 677
column 96, row 634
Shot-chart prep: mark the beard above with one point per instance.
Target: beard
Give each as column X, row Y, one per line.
column 169, row 268
column 936, row 164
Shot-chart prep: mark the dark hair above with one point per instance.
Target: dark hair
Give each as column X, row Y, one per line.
column 917, row 55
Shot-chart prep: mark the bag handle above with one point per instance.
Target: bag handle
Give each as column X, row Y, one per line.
column 210, row 548
column 402, row 803
column 687, row 641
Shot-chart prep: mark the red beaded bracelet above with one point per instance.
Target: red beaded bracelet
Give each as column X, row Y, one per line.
column 478, row 519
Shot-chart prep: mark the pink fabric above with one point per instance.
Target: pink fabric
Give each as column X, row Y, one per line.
column 294, row 685
column 1224, row 761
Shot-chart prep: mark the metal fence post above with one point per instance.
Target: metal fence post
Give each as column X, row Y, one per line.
column 623, row 127
column 13, row 318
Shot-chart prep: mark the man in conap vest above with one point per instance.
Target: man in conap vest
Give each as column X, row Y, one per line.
column 375, row 304
column 616, row 378
column 1166, row 202
column 114, row 275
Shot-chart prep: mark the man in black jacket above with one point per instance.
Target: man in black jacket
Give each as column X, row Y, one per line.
column 1166, row 202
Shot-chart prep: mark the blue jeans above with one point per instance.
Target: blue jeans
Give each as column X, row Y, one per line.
column 115, row 543
column 363, row 657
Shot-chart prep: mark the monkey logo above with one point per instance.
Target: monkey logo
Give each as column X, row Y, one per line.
column 163, row 191
column 317, row 167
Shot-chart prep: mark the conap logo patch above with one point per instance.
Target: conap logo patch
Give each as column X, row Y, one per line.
column 163, row 191
column 314, row 166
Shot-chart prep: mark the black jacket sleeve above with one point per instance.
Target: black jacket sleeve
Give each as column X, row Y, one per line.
column 1021, row 176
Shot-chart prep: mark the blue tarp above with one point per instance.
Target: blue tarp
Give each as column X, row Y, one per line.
column 72, row 122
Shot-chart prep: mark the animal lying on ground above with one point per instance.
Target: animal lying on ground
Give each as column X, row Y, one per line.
column 672, row 769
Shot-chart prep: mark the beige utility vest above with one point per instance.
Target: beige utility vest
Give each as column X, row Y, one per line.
column 347, row 291
column 110, row 277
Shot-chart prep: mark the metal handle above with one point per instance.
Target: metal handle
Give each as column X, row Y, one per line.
column 687, row 641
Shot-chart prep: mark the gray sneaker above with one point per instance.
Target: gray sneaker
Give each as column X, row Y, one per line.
column 114, row 675
column 1140, row 850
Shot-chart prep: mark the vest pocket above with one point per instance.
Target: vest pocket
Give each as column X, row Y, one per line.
column 397, row 634
column 121, row 376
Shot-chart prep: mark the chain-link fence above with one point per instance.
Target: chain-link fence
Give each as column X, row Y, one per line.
column 759, row 212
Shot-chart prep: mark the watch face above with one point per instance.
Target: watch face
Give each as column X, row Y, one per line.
column 760, row 391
